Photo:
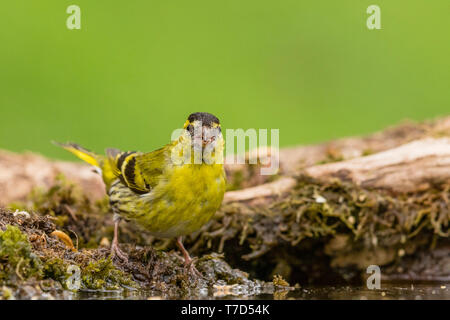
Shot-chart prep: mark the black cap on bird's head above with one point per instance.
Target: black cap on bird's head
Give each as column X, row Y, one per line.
column 207, row 119
column 204, row 127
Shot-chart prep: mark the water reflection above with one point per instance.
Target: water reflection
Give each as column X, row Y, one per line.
column 387, row 292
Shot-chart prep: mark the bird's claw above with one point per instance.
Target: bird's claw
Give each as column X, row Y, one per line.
column 117, row 253
column 190, row 265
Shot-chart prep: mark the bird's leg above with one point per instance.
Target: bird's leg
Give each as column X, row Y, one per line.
column 188, row 261
column 115, row 250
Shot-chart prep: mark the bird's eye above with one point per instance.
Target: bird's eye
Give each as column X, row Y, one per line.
column 190, row 128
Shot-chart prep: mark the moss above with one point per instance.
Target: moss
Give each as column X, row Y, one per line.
column 103, row 275
column 56, row 269
column 235, row 181
column 72, row 211
column 332, row 154
column 278, row 281
column 18, row 262
column 28, row 251
column 79, row 217
column 367, row 152
column 336, row 226
column 95, row 274
column 246, row 176
column 331, row 224
column 156, row 270
column 214, row 267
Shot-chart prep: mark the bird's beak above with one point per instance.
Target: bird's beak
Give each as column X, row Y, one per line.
column 208, row 136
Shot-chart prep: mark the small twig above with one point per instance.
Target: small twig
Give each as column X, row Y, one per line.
column 70, row 211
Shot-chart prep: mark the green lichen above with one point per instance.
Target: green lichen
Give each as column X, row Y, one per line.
column 17, row 261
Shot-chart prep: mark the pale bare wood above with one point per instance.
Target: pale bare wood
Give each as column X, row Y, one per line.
column 410, row 167
column 20, row 173
column 295, row 158
column 270, row 189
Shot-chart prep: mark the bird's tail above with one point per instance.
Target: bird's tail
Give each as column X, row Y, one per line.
column 82, row 153
column 105, row 166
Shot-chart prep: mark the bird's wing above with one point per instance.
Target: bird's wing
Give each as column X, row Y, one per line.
column 122, row 165
column 152, row 165
column 138, row 171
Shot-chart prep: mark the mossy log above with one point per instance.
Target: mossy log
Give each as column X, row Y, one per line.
column 332, row 210
column 20, row 173
column 414, row 166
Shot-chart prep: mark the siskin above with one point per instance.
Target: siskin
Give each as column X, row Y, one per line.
column 170, row 192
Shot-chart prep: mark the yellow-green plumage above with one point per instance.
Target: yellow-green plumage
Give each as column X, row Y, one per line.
column 159, row 190
column 181, row 200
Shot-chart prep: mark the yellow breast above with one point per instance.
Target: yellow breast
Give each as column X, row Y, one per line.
column 184, row 200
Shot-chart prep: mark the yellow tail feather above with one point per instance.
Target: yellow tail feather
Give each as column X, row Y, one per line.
column 81, row 153
column 106, row 167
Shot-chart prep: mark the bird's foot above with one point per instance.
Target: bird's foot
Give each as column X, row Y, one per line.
column 189, row 265
column 117, row 253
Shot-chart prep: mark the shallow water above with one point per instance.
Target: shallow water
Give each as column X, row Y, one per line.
column 389, row 291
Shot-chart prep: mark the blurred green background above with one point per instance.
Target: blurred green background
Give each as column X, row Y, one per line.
column 136, row 69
